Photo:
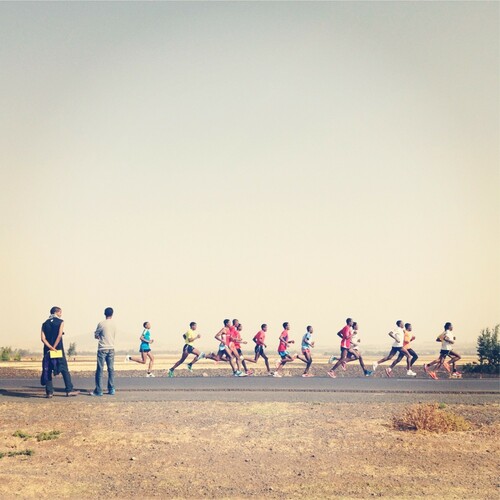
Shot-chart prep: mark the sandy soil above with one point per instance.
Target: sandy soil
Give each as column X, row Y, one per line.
column 239, row 450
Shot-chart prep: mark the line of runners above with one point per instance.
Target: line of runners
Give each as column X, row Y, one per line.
column 230, row 341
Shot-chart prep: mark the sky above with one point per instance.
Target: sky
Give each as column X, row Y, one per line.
column 283, row 161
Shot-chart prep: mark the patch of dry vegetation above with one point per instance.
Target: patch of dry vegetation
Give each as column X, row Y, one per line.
column 430, row 417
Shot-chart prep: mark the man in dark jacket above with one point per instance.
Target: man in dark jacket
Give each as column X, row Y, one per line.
column 51, row 335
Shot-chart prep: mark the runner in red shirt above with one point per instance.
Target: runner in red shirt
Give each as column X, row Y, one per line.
column 345, row 344
column 237, row 345
column 285, row 356
column 260, row 345
column 225, row 353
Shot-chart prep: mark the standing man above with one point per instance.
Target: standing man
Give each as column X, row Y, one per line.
column 105, row 333
column 54, row 357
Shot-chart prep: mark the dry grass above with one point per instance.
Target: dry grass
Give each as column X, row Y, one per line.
column 430, row 417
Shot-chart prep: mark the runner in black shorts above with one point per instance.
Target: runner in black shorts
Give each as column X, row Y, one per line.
column 189, row 338
column 259, row 339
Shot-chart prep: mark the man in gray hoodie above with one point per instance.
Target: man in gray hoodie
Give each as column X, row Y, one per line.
column 105, row 334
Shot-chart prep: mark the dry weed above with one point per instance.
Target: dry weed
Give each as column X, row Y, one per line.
column 429, row 417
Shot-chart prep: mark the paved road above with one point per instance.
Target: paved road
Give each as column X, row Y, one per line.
column 318, row 389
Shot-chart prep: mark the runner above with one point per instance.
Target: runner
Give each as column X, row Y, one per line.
column 345, row 344
column 221, row 354
column 259, row 339
column 285, row 356
column 231, row 344
column 225, row 349
column 447, row 340
column 189, row 338
column 307, row 345
column 354, row 353
column 397, row 347
column 237, row 346
column 408, row 339
column 145, row 350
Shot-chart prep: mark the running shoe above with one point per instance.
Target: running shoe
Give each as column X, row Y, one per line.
column 432, row 375
column 411, row 373
column 127, row 358
column 277, row 374
column 368, row 373
column 388, row 372
column 270, row 374
column 249, row 373
column 331, row 374
column 242, row 374
column 190, row 367
column 72, row 393
column 93, row 393
column 150, row 374
column 111, row 392
column 456, row 375
column 307, row 375
column 202, row 355
column 375, row 364
column 332, row 359
column 170, row 374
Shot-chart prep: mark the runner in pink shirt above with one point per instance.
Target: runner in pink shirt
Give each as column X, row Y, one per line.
column 285, row 356
column 345, row 344
column 260, row 345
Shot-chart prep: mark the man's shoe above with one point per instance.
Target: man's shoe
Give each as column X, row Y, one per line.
column 111, row 392
column 50, row 395
column 93, row 393
column 72, row 393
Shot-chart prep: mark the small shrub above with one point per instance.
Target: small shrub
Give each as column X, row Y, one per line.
column 47, row 436
column 429, row 417
column 5, row 353
column 21, row 434
column 27, row 453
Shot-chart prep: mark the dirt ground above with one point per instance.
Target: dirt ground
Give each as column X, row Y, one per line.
column 240, row 450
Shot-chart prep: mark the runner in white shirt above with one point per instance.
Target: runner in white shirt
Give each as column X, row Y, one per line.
column 398, row 335
column 354, row 353
column 447, row 340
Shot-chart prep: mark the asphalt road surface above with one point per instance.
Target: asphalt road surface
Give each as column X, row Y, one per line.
column 286, row 389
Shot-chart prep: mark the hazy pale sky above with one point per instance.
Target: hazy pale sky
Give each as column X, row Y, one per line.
column 273, row 162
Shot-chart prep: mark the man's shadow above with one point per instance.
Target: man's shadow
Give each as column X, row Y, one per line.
column 31, row 395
